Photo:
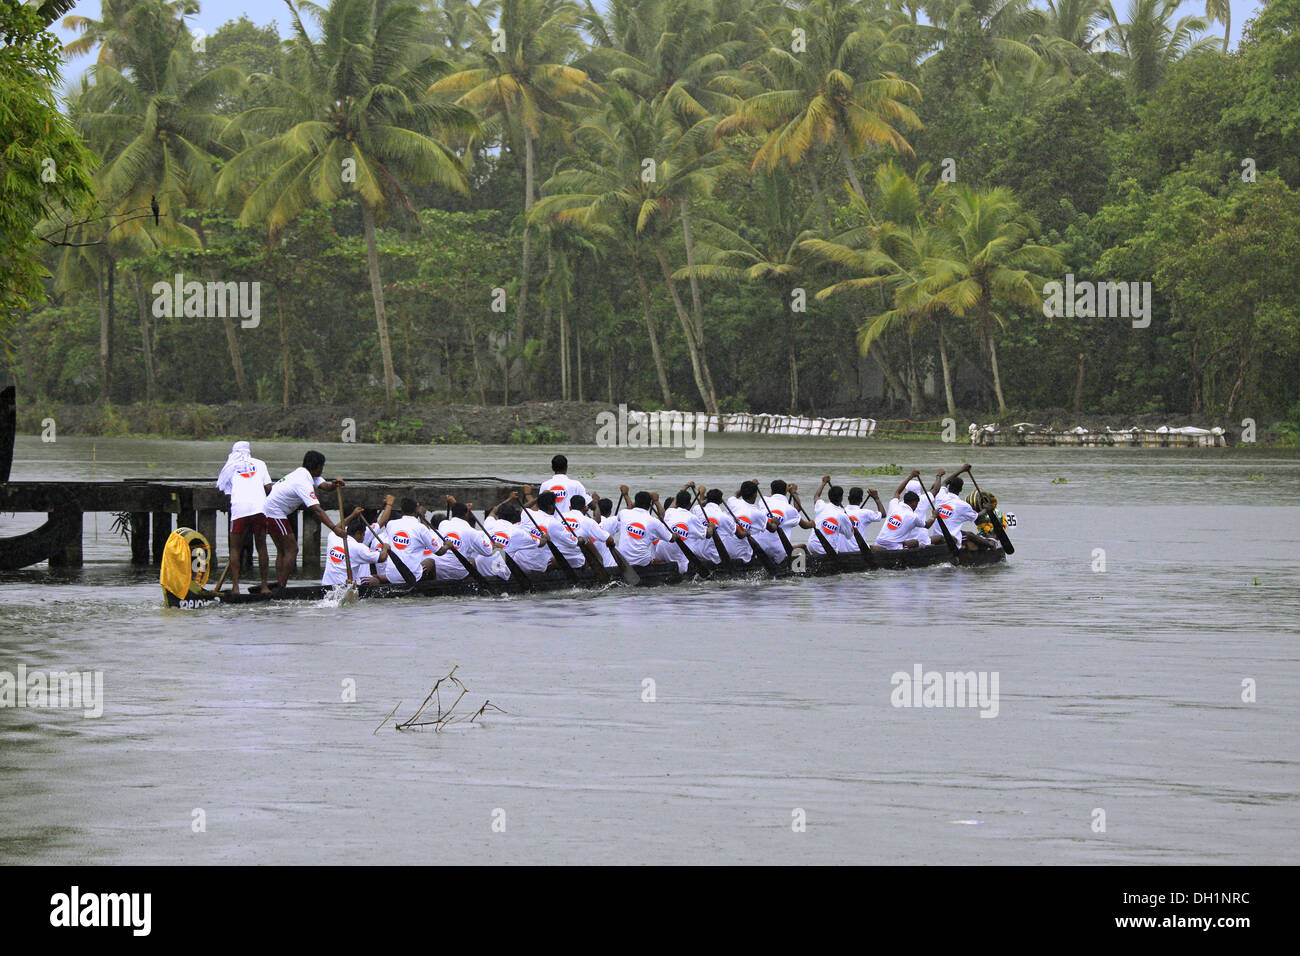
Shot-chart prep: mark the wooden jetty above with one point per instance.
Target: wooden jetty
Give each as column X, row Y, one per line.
column 156, row 505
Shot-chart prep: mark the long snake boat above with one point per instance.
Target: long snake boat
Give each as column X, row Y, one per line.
column 186, row 561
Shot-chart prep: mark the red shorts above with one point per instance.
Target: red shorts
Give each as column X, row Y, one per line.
column 254, row 523
column 280, row 527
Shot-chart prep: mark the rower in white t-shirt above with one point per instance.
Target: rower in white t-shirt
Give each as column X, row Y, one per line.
column 904, row 528
column 585, row 527
column 362, row 557
column 526, row 544
column 639, row 529
column 751, row 520
column 561, row 485
column 956, row 511
column 724, row 529
column 469, row 542
column 687, row 525
column 830, row 519
column 862, row 516
column 411, row 543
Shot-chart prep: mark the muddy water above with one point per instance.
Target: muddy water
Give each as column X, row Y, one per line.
column 1119, row 691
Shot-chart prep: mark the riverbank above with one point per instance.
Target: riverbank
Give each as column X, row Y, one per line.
column 529, row 423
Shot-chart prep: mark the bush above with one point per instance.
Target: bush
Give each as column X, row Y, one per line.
column 455, row 435
column 538, row 435
column 394, row 432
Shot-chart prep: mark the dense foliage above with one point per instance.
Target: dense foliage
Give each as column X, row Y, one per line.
column 721, row 204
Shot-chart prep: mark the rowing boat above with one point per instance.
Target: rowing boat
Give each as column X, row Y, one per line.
column 651, row 575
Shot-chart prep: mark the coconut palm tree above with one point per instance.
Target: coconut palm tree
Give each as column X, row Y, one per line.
column 1220, row 10
column 351, row 124
column 989, row 266
column 121, row 21
column 837, row 93
column 640, row 166
column 1151, row 41
column 776, row 260
column 522, row 75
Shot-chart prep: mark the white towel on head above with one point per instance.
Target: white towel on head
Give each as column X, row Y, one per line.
column 240, row 457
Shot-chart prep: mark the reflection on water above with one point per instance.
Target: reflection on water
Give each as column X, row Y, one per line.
column 1120, row 691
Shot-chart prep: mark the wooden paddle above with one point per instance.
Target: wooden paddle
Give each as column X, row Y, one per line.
column 862, row 543
column 998, row 530
column 947, row 535
column 830, row 552
column 780, row 532
column 520, row 576
column 347, row 551
column 693, row 562
column 630, row 574
column 593, row 559
column 222, row 580
column 464, row 561
column 764, row 558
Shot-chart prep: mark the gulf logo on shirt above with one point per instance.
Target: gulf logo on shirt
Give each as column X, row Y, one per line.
column 830, row 526
column 779, row 516
column 744, row 519
column 501, row 537
column 680, row 529
column 453, row 539
column 636, row 530
column 559, row 491
column 571, row 524
column 401, row 540
column 247, row 474
column 713, row 521
column 894, row 523
column 336, row 555
column 536, row 533
column 945, row 512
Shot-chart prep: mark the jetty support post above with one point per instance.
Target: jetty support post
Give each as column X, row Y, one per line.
column 71, row 554
column 311, row 560
column 139, row 537
column 207, row 526
column 162, row 529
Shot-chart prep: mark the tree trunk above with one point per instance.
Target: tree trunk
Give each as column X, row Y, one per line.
column 526, row 268
column 823, row 208
column 877, row 353
column 791, row 354
column 377, row 292
column 236, row 359
column 915, row 395
column 1078, row 386
column 577, row 347
column 702, row 383
column 852, row 170
column 993, row 366
column 146, row 341
column 696, row 309
column 105, row 289
column 654, row 343
column 564, row 355
column 947, row 373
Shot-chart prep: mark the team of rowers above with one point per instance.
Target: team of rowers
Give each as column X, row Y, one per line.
column 563, row 522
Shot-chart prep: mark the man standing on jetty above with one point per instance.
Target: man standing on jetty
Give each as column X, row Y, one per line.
column 297, row 488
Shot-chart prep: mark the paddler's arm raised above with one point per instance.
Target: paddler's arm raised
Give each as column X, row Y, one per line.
column 387, row 513
column 903, row 484
column 826, row 480
column 324, row 519
column 875, row 496
column 331, row 484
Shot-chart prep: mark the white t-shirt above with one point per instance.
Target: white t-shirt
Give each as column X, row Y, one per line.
column 834, row 524
column 923, row 503
column 785, row 512
column 688, row 526
column 638, row 531
column 585, row 527
column 564, row 488
column 526, row 549
column 725, row 528
column 336, row 567
column 864, row 518
column 410, row 543
column 469, row 542
column 294, row 489
column 900, row 526
column 248, row 489
column 955, row 512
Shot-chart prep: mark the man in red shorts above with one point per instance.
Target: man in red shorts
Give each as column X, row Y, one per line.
column 247, row 481
column 283, row 499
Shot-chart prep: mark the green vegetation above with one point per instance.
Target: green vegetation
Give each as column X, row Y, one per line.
column 817, row 205
column 537, row 435
column 455, row 435
column 890, row 469
column 394, row 432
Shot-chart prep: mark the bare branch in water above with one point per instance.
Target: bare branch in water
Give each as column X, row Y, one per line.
column 442, row 718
